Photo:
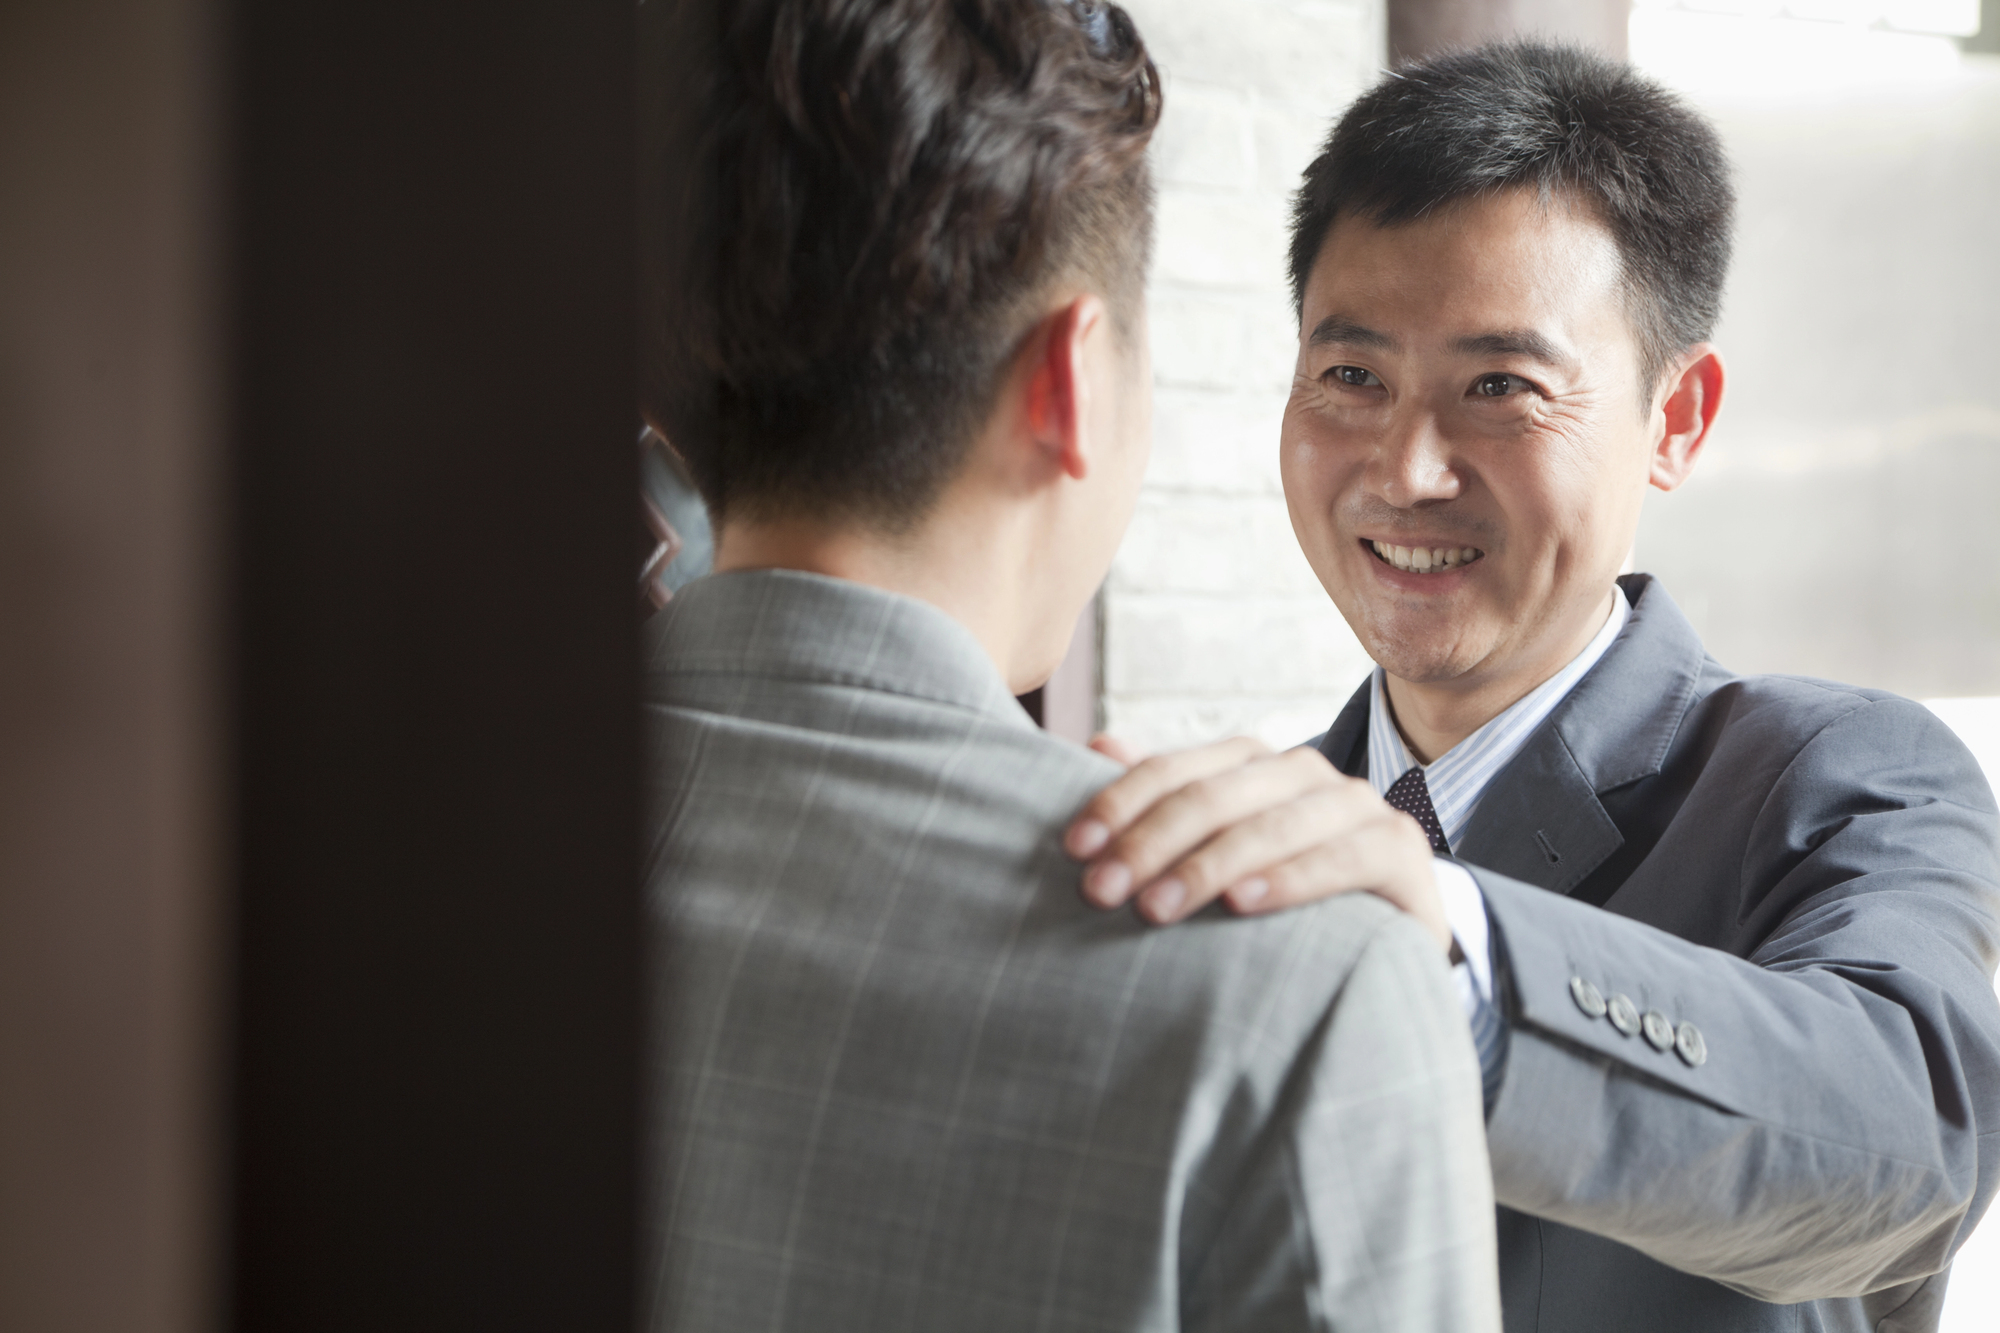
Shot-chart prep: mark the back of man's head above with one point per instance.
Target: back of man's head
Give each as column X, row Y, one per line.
column 1562, row 122
column 855, row 208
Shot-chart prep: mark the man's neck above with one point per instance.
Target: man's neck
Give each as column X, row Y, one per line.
column 1435, row 716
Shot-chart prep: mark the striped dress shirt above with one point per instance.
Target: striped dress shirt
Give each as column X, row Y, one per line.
column 1457, row 779
column 1460, row 776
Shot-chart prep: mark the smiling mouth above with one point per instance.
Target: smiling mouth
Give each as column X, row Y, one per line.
column 1425, row 559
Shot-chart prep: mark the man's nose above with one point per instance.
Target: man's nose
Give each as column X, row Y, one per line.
column 1413, row 465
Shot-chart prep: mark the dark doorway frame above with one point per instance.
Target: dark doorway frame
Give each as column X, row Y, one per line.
column 435, row 658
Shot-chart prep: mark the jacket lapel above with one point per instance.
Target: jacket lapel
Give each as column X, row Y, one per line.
column 1345, row 742
column 1542, row 820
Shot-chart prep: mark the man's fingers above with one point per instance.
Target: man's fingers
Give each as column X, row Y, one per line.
column 1112, row 810
column 1188, row 816
column 1257, row 843
column 1380, row 855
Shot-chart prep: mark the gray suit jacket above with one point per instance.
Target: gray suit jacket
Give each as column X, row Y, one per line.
column 907, row 1079
column 1806, row 873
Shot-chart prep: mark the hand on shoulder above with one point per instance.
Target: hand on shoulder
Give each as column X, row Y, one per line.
column 1263, row 831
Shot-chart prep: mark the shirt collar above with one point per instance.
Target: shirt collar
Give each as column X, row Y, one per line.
column 1460, row 776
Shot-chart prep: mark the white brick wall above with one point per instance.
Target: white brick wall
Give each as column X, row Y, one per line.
column 1213, row 622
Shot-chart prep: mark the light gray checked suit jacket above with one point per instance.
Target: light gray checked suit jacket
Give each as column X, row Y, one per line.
column 907, row 1079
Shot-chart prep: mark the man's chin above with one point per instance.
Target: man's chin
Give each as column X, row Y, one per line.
column 1426, row 670
column 1422, row 648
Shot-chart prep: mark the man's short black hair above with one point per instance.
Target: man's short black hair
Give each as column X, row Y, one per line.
column 1557, row 120
column 853, row 206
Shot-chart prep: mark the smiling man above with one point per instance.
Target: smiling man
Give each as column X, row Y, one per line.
column 1469, row 521
column 1726, row 943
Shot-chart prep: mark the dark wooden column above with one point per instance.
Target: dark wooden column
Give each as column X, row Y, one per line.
column 434, row 484
column 1419, row 28
column 319, row 983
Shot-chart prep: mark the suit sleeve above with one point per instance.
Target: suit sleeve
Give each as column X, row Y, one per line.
column 1833, row 1130
column 1369, row 1207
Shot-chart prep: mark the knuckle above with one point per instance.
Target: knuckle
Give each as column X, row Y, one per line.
column 1184, row 809
column 1128, row 798
column 1330, row 809
column 1103, row 805
column 1288, row 825
column 1198, row 873
column 1114, row 809
column 1202, row 795
column 1285, row 828
column 1151, row 843
column 1312, row 762
column 1134, row 848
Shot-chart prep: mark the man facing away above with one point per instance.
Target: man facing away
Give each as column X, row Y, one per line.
column 905, row 1077
column 1739, row 931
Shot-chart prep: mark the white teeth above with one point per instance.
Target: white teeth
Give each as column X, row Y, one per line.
column 1425, row 559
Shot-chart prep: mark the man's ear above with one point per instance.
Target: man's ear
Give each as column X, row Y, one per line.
column 1693, row 397
column 1059, row 385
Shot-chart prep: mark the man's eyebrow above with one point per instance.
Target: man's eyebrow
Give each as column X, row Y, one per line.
column 1516, row 342
column 1341, row 329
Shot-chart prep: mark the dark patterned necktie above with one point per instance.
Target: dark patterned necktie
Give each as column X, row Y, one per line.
column 1412, row 795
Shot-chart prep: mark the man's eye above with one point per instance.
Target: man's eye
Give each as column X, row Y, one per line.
column 1355, row 376
column 1499, row 385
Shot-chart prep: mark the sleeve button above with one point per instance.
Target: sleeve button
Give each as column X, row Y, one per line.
column 1690, row 1045
column 1588, row 998
column 1624, row 1014
column 1659, row 1032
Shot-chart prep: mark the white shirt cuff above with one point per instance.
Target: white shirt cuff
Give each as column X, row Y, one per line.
column 1465, row 913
